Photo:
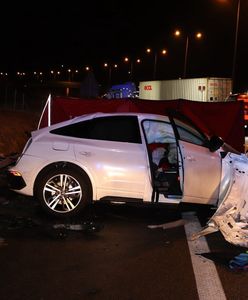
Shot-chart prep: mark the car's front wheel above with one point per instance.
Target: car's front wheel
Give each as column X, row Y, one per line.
column 63, row 191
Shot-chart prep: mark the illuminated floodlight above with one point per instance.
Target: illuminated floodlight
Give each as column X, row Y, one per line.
column 177, row 33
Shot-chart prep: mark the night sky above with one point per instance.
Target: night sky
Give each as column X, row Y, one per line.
column 75, row 34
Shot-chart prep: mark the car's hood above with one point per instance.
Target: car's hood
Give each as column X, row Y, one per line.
column 231, row 217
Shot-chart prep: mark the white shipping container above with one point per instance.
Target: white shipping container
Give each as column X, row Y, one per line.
column 196, row 89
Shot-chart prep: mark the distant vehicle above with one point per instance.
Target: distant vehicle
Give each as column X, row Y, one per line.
column 124, row 90
column 121, row 157
column 206, row 89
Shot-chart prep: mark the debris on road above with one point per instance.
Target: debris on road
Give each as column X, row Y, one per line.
column 168, row 225
column 10, row 222
column 88, row 226
column 239, row 262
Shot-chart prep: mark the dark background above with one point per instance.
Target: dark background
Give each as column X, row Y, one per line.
column 42, row 36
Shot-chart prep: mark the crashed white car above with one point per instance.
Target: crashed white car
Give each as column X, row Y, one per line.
column 122, row 157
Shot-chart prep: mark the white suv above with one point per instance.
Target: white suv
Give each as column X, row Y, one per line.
column 120, row 157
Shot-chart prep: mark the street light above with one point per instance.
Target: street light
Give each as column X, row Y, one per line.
column 69, row 74
column 162, row 52
column 137, row 61
column 109, row 66
column 198, row 36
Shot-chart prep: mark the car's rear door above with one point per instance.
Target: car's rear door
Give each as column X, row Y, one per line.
column 113, row 153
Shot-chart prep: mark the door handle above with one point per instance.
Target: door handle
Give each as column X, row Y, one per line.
column 190, row 158
column 85, row 153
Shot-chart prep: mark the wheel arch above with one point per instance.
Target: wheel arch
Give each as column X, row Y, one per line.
column 61, row 164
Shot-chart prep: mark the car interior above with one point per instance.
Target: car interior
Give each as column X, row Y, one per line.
column 165, row 171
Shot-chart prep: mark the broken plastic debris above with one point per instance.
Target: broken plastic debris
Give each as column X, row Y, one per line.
column 85, row 226
column 206, row 230
column 168, row 225
column 239, row 262
column 10, row 222
column 231, row 217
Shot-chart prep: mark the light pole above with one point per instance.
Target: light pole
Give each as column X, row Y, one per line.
column 186, row 56
column 138, row 61
column 109, row 66
column 235, row 43
column 163, row 52
column 198, row 36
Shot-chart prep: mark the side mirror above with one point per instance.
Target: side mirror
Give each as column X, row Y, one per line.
column 215, row 143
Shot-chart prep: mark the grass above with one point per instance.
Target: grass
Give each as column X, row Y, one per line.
column 15, row 129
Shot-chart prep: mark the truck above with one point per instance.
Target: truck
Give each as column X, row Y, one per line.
column 206, row 89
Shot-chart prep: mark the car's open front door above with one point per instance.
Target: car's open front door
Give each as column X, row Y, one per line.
column 165, row 161
column 201, row 167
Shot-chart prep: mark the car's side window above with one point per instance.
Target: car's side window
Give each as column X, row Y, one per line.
column 161, row 142
column 190, row 134
column 110, row 128
column 158, row 132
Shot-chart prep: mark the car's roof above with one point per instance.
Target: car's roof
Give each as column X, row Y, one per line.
column 103, row 114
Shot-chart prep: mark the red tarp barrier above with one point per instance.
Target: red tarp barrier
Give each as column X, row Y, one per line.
column 225, row 119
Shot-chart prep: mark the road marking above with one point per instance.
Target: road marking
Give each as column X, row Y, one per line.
column 208, row 283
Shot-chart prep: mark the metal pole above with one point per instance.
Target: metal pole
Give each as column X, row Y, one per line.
column 235, row 45
column 131, row 70
column 110, row 75
column 23, row 100
column 6, row 96
column 186, row 56
column 15, row 95
column 155, row 66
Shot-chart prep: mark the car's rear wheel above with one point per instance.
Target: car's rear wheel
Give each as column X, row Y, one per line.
column 63, row 191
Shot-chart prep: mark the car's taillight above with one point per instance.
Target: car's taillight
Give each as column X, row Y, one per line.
column 15, row 173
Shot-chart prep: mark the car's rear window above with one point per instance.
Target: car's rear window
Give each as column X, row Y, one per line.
column 110, row 128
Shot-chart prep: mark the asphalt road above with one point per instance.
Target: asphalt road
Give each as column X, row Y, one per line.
column 114, row 255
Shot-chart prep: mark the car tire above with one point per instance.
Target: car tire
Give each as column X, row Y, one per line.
column 63, row 191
